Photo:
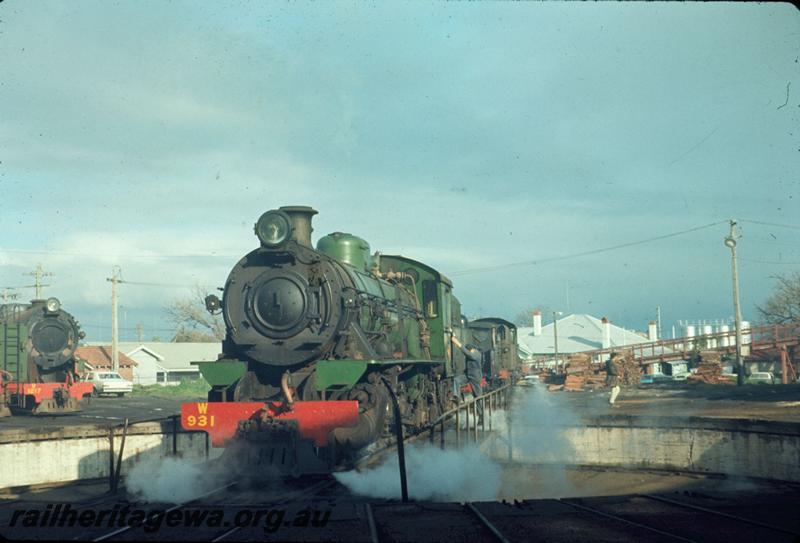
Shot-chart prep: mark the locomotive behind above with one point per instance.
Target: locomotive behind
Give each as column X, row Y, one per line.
column 496, row 339
column 314, row 339
column 37, row 374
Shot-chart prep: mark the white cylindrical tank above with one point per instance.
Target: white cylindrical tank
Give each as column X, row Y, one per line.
column 725, row 341
column 689, row 332
column 711, row 343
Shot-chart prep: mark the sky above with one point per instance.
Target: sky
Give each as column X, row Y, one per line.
column 152, row 135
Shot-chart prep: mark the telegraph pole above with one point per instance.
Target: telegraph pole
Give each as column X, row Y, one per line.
column 8, row 295
column 730, row 242
column 555, row 337
column 139, row 332
column 658, row 321
column 39, row 273
column 115, row 279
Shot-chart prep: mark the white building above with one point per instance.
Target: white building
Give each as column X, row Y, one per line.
column 582, row 333
column 576, row 333
column 167, row 363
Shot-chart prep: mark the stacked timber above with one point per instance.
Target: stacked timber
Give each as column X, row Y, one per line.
column 630, row 372
column 596, row 380
column 579, row 368
column 710, row 370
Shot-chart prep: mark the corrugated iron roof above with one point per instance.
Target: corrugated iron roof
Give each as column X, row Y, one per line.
column 576, row 333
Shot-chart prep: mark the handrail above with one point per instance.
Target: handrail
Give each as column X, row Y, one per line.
column 450, row 412
column 758, row 338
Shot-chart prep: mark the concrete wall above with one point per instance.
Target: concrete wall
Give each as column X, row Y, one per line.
column 725, row 446
column 769, row 450
column 35, row 458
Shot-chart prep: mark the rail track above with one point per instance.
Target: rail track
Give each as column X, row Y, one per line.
column 651, row 517
column 623, row 518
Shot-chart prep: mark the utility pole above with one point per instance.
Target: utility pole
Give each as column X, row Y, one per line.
column 139, row 332
column 115, row 279
column 39, row 273
column 8, row 295
column 730, row 242
column 658, row 321
column 555, row 337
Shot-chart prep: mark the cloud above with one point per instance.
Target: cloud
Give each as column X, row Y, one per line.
column 563, row 127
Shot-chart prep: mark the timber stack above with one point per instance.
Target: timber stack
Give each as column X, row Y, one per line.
column 581, row 374
column 630, row 371
column 579, row 367
column 710, row 370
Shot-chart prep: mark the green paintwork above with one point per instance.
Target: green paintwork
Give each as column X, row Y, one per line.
column 335, row 373
column 13, row 338
column 346, row 373
column 221, row 372
column 437, row 307
column 346, row 248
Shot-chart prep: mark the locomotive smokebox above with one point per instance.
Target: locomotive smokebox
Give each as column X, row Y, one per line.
column 301, row 223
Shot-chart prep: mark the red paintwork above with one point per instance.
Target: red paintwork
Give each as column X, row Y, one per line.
column 315, row 420
column 467, row 388
column 44, row 391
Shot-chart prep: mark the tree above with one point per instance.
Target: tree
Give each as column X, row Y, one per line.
column 784, row 304
column 192, row 321
column 525, row 317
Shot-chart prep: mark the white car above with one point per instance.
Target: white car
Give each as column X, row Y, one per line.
column 109, row 382
column 762, row 377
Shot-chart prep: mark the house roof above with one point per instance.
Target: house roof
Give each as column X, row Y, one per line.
column 576, row 333
column 99, row 356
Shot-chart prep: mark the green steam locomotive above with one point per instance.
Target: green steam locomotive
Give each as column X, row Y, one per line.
column 314, row 336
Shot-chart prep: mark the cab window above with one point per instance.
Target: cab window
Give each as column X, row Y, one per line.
column 429, row 298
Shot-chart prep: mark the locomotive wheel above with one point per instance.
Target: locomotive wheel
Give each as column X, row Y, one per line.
column 372, row 401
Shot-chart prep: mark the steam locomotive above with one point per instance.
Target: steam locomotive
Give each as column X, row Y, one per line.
column 37, row 374
column 315, row 336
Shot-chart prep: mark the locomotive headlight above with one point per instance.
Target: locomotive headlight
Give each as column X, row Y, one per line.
column 52, row 305
column 273, row 228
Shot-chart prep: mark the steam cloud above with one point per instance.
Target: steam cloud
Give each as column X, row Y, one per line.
column 170, row 480
column 476, row 473
column 465, row 474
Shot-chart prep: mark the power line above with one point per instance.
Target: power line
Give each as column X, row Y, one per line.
column 126, row 328
column 769, row 261
column 762, row 223
column 584, row 253
column 171, row 285
column 112, row 255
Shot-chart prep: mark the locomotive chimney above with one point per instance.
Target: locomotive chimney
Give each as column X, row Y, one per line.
column 301, row 223
column 537, row 323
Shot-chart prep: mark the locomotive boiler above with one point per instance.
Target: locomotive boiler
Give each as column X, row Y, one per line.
column 38, row 358
column 316, row 338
